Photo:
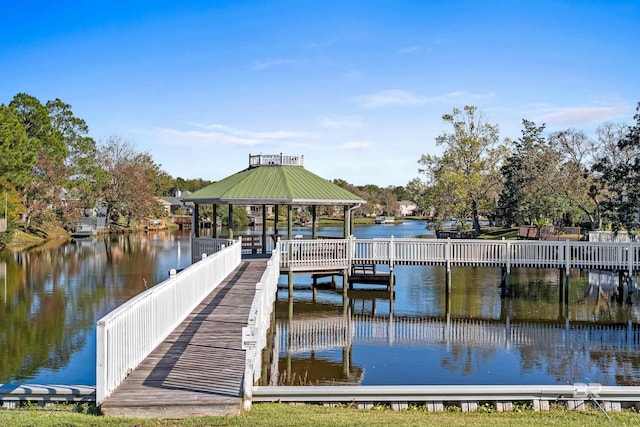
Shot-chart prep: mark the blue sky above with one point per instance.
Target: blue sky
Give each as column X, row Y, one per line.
column 357, row 87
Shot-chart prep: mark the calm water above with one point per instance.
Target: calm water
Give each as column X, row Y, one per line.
column 52, row 296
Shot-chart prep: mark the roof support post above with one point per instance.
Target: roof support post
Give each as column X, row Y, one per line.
column 289, row 222
column 275, row 220
column 264, row 229
column 346, row 216
column 214, row 222
column 195, row 221
column 314, row 213
column 230, row 222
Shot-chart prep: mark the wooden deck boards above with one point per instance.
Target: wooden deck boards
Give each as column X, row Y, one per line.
column 199, row 368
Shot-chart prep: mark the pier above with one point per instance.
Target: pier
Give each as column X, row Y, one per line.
column 198, row 369
column 208, row 360
column 178, row 349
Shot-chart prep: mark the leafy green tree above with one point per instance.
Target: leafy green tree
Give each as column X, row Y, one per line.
column 80, row 161
column 619, row 177
column 16, row 154
column 572, row 186
column 44, row 138
column 465, row 179
column 519, row 173
column 419, row 193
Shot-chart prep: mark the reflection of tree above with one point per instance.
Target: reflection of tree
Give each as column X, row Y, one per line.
column 57, row 292
column 593, row 340
column 467, row 359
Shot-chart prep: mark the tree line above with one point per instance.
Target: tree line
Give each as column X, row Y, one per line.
column 50, row 170
column 563, row 178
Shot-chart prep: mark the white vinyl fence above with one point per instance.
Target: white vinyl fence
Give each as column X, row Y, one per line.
column 310, row 255
column 130, row 332
column 258, row 324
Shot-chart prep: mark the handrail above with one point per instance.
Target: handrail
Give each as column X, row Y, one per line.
column 309, row 255
column 258, row 322
column 129, row 333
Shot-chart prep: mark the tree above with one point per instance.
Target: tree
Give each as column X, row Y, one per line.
column 126, row 187
column 573, row 183
column 519, row 172
column 16, row 154
column 80, row 160
column 619, row 177
column 465, row 178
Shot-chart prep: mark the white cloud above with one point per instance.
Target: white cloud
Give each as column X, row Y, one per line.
column 263, row 64
column 219, row 134
column 398, row 97
column 356, row 145
column 574, row 116
column 346, row 122
column 395, row 97
column 409, row 49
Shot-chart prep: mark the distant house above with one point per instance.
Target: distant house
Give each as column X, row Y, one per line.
column 172, row 204
column 407, row 207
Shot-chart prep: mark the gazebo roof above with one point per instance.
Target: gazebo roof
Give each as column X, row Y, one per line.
column 274, row 179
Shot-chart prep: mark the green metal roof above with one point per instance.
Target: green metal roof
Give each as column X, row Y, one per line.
column 277, row 184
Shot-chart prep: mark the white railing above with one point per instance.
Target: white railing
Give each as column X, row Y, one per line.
column 275, row 159
column 310, row 255
column 609, row 236
column 320, row 254
column 258, row 324
column 130, row 332
column 206, row 246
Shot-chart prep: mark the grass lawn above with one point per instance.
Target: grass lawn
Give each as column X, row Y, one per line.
column 273, row 414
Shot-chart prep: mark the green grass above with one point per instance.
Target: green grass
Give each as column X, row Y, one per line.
column 496, row 233
column 313, row 415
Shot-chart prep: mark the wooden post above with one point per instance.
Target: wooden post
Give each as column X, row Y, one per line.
column 275, row 220
column 214, row 224
column 264, row 230
column 195, row 221
column 314, row 214
column 289, row 222
column 290, row 283
column 346, row 221
column 230, row 222
column 447, row 256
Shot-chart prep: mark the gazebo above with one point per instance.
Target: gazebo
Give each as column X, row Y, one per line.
column 273, row 181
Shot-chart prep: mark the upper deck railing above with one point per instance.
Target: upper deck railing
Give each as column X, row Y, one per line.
column 313, row 255
column 275, row 160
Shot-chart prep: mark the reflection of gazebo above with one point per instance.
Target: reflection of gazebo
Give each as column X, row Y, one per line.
column 274, row 180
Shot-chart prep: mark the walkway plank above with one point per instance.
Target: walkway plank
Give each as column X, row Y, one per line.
column 199, row 368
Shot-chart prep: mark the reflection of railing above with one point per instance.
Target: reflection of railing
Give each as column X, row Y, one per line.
column 315, row 334
column 304, row 335
column 260, row 320
column 309, row 255
column 130, row 332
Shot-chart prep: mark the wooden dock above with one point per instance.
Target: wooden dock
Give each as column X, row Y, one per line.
column 199, row 368
column 368, row 274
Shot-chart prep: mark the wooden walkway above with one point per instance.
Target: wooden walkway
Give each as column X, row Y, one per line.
column 199, row 368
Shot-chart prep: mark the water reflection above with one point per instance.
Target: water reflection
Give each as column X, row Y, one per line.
column 54, row 294
column 474, row 335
